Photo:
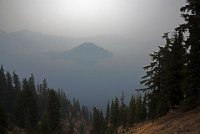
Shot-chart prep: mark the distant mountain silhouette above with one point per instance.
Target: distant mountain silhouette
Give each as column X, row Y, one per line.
column 26, row 41
column 89, row 71
column 87, row 53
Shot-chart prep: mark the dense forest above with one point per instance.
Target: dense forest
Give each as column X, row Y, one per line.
column 29, row 108
column 171, row 81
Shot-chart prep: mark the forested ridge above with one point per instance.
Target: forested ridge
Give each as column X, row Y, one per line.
column 29, row 108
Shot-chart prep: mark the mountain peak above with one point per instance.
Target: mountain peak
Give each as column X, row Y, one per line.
column 86, row 53
column 87, row 46
column 90, row 49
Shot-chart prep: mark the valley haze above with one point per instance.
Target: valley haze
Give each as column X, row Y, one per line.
column 89, row 71
column 41, row 36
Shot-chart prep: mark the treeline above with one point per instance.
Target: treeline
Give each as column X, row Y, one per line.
column 29, row 108
column 119, row 114
column 172, row 80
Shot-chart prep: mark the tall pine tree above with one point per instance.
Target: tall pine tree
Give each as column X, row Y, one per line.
column 191, row 14
column 53, row 112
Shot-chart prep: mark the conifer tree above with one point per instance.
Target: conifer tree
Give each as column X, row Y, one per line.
column 42, row 97
column 53, row 112
column 152, row 82
column 175, row 69
column 3, row 88
column 26, row 108
column 114, row 113
column 138, row 110
column 22, row 101
column 45, row 129
column 31, row 83
column 19, row 109
column 108, row 114
column 123, row 111
column 17, row 83
column 131, row 111
column 191, row 14
column 144, row 108
column 99, row 125
column 3, row 121
column 2, row 77
column 9, row 94
column 164, row 76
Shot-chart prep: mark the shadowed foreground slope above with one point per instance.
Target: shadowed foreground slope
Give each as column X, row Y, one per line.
column 174, row 123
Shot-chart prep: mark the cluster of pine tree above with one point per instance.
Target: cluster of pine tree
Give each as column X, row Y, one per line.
column 27, row 108
column 172, row 78
column 119, row 114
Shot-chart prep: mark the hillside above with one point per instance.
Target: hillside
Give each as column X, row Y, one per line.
column 174, row 123
column 87, row 54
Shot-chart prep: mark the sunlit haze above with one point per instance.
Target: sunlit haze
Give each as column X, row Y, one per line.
column 81, row 18
column 41, row 37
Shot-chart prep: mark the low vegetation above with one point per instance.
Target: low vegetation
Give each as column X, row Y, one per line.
column 172, row 123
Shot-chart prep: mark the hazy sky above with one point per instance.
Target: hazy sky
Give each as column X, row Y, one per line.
column 130, row 29
column 78, row 18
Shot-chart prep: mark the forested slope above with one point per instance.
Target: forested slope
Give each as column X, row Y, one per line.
column 173, row 123
column 29, row 108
